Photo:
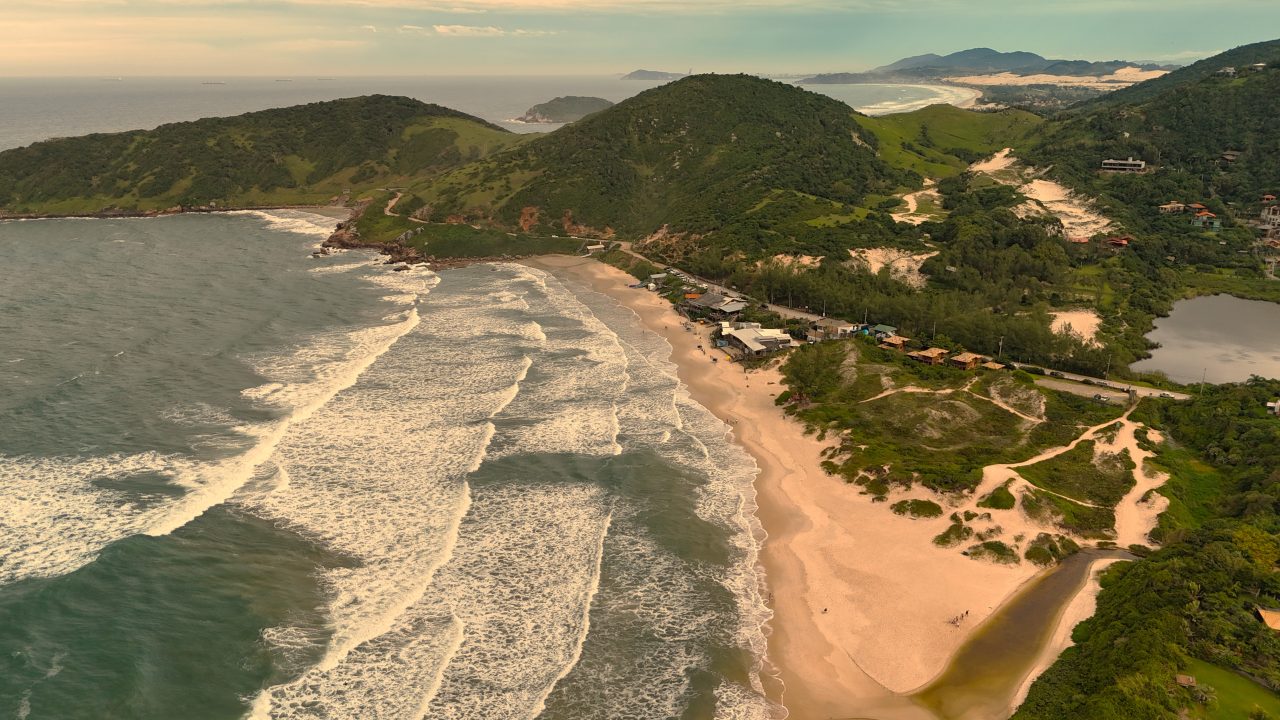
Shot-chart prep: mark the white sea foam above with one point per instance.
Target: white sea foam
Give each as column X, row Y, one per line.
column 294, row 221
column 55, row 519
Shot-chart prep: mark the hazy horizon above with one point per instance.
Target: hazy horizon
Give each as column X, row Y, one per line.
column 424, row 38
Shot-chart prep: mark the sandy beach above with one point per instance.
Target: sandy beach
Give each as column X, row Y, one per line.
column 861, row 597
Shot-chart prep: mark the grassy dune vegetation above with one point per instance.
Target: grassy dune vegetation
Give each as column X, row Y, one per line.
column 901, row 422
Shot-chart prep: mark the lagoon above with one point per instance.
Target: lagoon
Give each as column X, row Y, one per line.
column 1219, row 338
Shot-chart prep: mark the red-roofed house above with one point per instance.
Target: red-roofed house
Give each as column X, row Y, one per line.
column 1120, row 241
column 1206, row 220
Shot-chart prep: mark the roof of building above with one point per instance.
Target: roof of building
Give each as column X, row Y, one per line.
column 968, row 357
column 895, row 340
column 731, row 306
column 1270, row 618
column 934, row 352
column 885, row 329
column 993, row 366
column 1198, row 206
column 1185, row 680
column 834, row 322
column 755, row 338
column 708, row 300
column 1205, row 214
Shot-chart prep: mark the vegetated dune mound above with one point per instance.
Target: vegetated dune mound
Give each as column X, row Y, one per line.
column 1078, row 216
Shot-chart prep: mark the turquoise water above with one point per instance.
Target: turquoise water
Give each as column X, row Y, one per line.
column 238, row 481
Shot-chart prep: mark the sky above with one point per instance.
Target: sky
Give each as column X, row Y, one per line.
column 92, row 38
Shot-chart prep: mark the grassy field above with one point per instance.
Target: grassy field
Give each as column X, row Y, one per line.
column 1237, row 696
column 1085, row 521
column 464, row 241
column 941, row 140
column 1194, row 489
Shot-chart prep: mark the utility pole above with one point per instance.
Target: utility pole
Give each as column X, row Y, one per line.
column 1107, row 372
column 1000, row 351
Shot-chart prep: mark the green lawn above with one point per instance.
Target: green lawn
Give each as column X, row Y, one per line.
column 1237, row 696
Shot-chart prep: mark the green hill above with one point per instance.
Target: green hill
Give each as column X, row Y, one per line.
column 942, row 140
column 1181, row 124
column 298, row 155
column 697, row 154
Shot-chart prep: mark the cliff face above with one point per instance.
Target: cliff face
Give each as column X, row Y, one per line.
column 565, row 109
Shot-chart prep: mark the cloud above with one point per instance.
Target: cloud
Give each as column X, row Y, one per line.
column 370, row 28
column 487, row 31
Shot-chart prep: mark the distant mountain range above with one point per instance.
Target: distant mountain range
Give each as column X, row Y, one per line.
column 981, row 61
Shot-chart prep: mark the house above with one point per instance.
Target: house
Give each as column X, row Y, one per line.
column 1206, row 220
column 1196, row 207
column 894, row 342
column 1258, row 66
column 1120, row 241
column 967, row 360
column 1270, row 216
column 1274, row 407
column 831, row 329
column 1227, row 72
column 932, row 356
column 1269, row 617
column 1171, row 208
column 1268, row 199
column 1231, row 156
column 1129, row 165
column 883, row 331
column 598, row 247
column 658, row 278
column 1186, row 681
column 993, row 365
column 755, row 340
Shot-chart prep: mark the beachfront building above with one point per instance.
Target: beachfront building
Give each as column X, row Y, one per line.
column 1172, row 208
column 715, row 305
column 1130, row 165
column 967, row 361
column 1205, row 220
column 932, row 356
column 755, row 340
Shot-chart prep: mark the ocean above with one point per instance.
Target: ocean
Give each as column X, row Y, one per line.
column 242, row 482
column 34, row 109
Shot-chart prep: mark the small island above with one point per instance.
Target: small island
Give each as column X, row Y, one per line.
column 564, row 109
column 652, row 75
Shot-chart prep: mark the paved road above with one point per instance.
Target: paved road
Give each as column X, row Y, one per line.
column 1102, row 387
column 783, row 310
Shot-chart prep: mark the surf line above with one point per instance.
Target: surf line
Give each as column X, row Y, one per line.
column 240, row 470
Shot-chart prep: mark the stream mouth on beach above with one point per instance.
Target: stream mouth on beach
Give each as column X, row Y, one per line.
column 983, row 677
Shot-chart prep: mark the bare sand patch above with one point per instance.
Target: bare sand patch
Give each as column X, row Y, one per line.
column 903, row 265
column 1122, row 78
column 1081, row 323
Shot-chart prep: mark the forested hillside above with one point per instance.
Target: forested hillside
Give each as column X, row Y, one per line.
column 298, row 155
column 1182, row 124
column 697, row 155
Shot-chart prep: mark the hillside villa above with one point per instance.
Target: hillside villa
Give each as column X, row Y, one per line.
column 1206, row 220
column 1130, row 165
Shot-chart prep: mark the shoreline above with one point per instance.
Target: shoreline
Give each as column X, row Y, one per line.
column 859, row 596
column 337, row 212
